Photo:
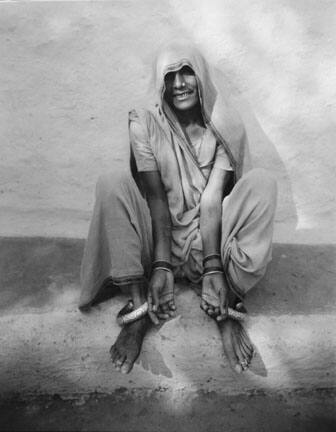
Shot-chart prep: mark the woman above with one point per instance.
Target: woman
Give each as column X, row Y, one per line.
column 192, row 209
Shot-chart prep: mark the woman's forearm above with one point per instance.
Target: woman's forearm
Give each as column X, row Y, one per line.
column 158, row 206
column 211, row 210
column 210, row 227
column 161, row 226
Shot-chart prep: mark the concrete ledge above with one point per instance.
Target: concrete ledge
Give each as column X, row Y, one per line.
column 48, row 346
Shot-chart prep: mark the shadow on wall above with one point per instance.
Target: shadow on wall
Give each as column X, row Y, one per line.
column 263, row 151
column 280, row 56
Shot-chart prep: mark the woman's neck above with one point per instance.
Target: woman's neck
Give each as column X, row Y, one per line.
column 190, row 117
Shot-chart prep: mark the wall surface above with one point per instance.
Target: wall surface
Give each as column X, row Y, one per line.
column 70, row 72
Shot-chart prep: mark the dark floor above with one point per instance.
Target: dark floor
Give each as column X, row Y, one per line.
column 295, row 411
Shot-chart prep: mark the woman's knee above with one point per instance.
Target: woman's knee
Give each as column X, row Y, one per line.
column 262, row 182
column 112, row 183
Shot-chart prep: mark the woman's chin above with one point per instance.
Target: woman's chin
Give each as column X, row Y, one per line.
column 184, row 105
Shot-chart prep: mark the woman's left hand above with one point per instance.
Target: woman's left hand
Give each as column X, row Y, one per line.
column 215, row 296
column 161, row 301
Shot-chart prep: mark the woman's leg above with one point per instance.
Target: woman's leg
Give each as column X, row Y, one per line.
column 119, row 242
column 247, row 228
column 119, row 246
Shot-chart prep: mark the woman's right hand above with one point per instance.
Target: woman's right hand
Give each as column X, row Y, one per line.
column 161, row 303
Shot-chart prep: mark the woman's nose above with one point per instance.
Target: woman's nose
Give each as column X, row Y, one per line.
column 179, row 80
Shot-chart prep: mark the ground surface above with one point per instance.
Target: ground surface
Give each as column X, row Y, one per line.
column 296, row 411
column 181, row 380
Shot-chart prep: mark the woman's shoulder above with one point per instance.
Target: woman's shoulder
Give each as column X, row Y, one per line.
column 141, row 114
column 142, row 120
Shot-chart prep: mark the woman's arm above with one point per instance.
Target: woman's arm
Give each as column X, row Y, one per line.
column 158, row 206
column 214, row 286
column 161, row 285
column 211, row 210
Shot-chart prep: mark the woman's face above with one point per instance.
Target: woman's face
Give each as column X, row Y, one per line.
column 181, row 88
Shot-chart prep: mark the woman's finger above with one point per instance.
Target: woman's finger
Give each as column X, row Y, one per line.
column 153, row 317
column 151, row 313
column 163, row 316
column 211, row 311
column 155, row 299
column 204, row 305
column 165, row 310
column 171, row 305
column 223, row 304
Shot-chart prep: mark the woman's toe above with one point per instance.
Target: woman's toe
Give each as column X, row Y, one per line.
column 119, row 361
column 126, row 367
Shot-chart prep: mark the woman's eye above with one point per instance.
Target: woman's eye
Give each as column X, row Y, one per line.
column 186, row 70
column 169, row 77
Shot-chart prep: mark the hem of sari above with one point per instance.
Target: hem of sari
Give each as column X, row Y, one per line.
column 239, row 293
column 129, row 279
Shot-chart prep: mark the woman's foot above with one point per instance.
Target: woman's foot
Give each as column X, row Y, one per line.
column 237, row 344
column 127, row 347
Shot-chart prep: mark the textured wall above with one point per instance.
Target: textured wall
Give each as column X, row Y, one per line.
column 71, row 71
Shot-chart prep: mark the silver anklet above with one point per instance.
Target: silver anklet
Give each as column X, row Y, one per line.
column 143, row 309
column 133, row 316
column 239, row 316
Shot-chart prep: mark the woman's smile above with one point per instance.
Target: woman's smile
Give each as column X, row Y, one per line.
column 183, row 96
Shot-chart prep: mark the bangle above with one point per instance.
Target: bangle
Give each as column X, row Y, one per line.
column 163, row 268
column 213, row 268
column 210, row 257
column 162, row 264
column 212, row 272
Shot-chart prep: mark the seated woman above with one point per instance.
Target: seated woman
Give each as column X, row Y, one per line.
column 192, row 209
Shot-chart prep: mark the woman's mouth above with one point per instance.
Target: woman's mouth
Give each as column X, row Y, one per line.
column 183, row 96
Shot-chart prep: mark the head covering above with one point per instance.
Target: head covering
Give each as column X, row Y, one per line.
column 218, row 115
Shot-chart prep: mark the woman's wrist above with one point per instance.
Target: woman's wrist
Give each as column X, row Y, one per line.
column 213, row 259
column 160, row 264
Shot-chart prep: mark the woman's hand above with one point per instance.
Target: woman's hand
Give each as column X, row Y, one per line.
column 215, row 296
column 161, row 304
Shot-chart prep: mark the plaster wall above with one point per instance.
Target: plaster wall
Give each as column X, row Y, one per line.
column 70, row 72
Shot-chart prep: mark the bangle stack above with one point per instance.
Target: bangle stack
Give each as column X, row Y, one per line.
column 212, row 270
column 211, row 257
column 162, row 265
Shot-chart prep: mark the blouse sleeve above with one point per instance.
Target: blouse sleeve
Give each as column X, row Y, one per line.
column 221, row 159
column 140, row 144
